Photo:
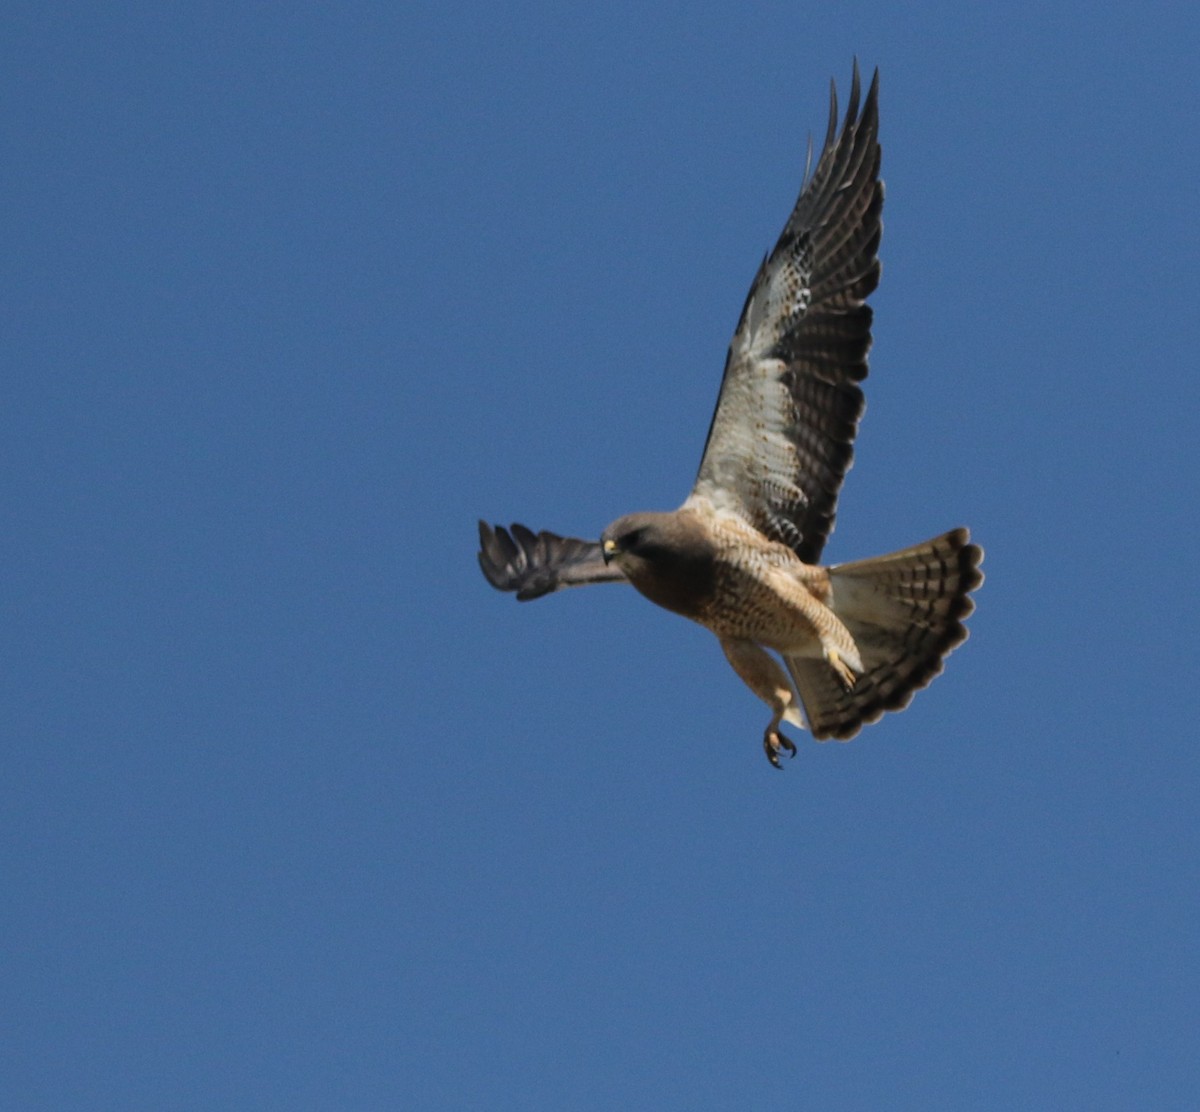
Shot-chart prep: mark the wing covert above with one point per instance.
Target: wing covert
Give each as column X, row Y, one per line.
column 782, row 435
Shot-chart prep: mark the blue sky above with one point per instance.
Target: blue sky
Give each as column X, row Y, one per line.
column 298, row 813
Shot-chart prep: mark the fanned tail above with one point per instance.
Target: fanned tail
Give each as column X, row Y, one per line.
column 905, row 612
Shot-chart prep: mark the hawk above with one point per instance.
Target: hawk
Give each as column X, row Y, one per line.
column 740, row 556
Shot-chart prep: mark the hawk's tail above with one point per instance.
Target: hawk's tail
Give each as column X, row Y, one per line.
column 905, row 612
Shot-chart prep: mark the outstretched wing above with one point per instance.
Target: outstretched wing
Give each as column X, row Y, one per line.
column 534, row 564
column 781, row 439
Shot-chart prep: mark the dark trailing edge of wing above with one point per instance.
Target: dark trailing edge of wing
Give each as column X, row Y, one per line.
column 536, row 564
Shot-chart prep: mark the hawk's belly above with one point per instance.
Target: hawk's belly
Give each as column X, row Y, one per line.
column 764, row 602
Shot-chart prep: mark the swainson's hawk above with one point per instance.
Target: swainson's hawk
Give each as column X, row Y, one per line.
column 740, row 555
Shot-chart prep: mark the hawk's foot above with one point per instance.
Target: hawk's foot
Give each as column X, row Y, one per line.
column 844, row 672
column 774, row 742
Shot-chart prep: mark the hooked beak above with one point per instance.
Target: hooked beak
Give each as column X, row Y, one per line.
column 609, row 549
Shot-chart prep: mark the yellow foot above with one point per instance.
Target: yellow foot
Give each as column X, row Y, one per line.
column 774, row 743
column 844, row 671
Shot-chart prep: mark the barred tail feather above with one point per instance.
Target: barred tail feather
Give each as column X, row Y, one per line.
column 905, row 613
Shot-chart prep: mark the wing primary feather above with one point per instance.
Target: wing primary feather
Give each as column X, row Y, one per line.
column 831, row 129
column 536, row 564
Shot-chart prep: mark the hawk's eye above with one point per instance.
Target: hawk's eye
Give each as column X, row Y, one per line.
column 632, row 540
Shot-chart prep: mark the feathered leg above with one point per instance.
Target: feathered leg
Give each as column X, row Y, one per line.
column 762, row 674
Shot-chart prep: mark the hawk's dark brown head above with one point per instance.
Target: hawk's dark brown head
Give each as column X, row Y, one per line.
column 668, row 557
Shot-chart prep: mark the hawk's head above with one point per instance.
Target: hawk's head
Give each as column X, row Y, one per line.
column 669, row 557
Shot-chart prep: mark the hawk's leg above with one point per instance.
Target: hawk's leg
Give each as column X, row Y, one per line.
column 760, row 672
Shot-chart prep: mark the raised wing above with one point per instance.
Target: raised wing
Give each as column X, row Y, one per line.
column 782, row 436
column 535, row 564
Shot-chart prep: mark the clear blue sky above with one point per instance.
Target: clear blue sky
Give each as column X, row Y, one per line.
column 297, row 813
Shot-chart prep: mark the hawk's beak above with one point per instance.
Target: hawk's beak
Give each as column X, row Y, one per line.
column 610, row 549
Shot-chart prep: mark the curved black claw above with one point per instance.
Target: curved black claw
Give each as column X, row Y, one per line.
column 774, row 740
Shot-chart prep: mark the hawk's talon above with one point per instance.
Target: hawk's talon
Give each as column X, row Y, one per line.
column 844, row 672
column 773, row 741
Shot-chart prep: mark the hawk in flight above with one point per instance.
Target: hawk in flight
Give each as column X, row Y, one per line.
column 740, row 556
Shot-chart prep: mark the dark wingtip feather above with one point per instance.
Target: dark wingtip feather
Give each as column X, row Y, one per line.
column 855, row 94
column 536, row 564
column 831, row 129
column 497, row 556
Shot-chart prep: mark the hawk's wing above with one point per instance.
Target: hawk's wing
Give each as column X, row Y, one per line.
column 781, row 439
column 534, row 564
